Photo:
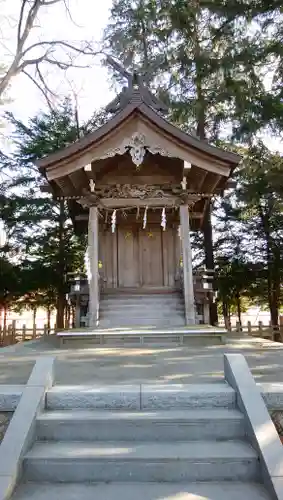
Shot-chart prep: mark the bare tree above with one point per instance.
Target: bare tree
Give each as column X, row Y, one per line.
column 31, row 58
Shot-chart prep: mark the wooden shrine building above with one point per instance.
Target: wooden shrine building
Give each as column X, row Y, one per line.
column 138, row 185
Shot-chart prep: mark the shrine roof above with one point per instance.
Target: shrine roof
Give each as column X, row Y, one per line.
column 137, row 105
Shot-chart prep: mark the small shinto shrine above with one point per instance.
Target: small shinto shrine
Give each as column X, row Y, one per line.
column 137, row 186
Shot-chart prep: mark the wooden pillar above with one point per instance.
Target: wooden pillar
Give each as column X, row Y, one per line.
column 93, row 307
column 187, row 266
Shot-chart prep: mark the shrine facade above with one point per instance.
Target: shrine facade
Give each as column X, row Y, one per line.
column 137, row 186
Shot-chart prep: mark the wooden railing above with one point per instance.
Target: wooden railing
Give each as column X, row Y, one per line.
column 12, row 335
column 259, row 330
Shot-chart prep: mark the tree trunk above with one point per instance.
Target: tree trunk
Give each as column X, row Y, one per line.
column 275, row 302
column 67, row 316
column 12, row 71
column 239, row 309
column 229, row 314
column 5, row 320
column 225, row 310
column 201, row 126
column 61, row 291
column 73, row 309
column 48, row 319
column 144, row 40
column 34, row 311
column 209, row 260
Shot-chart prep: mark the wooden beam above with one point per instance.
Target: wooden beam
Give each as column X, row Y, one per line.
column 230, row 184
column 74, row 183
column 66, row 186
column 134, row 202
column 196, row 215
column 193, row 215
column 79, row 180
column 202, row 182
column 213, row 185
column 187, row 266
column 46, row 188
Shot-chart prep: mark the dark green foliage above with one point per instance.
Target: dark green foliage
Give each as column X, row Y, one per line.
column 41, row 236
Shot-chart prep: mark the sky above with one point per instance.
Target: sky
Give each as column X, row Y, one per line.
column 92, row 86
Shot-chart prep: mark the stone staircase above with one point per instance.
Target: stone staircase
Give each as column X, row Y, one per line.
column 108, row 444
column 123, row 309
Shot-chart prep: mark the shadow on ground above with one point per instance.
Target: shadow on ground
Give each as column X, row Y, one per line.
column 141, row 365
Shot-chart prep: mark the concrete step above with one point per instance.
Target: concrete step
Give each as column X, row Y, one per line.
column 169, row 298
column 152, row 309
column 157, row 314
column 145, row 300
column 149, row 397
column 142, row 491
column 120, row 321
column 182, row 425
column 139, row 303
column 121, row 461
column 143, row 296
column 128, row 309
column 125, row 322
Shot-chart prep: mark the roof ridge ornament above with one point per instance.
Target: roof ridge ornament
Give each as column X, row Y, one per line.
column 136, row 90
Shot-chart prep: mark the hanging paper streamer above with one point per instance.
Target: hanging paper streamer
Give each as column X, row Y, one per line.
column 145, row 218
column 138, row 213
column 113, row 221
column 184, row 183
column 92, row 185
column 179, row 232
column 163, row 219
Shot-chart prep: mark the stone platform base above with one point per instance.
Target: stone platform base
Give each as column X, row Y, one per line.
column 149, row 337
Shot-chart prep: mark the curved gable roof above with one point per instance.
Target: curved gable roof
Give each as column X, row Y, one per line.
column 88, row 141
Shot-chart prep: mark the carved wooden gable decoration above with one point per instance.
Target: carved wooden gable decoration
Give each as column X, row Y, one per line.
column 140, row 141
column 137, row 130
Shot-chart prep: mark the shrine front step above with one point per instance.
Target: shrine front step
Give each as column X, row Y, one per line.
column 146, row 337
column 156, row 309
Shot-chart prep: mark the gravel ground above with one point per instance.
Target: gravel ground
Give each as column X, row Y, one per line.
column 4, row 422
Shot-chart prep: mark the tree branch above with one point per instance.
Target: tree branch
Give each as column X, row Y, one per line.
column 80, row 50
column 42, row 90
column 45, row 86
column 29, row 23
column 30, row 62
column 27, row 17
column 20, row 22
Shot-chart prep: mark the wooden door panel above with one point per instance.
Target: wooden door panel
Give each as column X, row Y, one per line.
column 169, row 256
column 108, row 258
column 151, row 257
column 128, row 257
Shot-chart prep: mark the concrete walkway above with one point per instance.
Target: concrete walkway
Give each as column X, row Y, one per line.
column 142, row 365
